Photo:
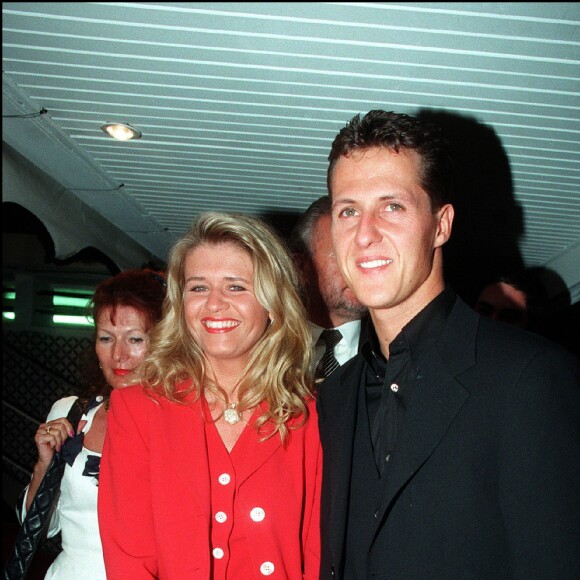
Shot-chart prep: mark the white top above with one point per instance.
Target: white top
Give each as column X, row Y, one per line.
column 76, row 514
column 346, row 348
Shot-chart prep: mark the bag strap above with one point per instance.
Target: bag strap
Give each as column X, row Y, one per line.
column 75, row 413
column 36, row 520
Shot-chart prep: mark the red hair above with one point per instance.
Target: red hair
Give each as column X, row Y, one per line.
column 143, row 290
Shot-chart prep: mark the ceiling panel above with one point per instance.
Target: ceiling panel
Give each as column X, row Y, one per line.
column 239, row 102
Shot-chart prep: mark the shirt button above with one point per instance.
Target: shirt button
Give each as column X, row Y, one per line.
column 224, row 478
column 394, row 387
column 221, row 517
column 257, row 514
column 218, row 553
column 267, row 568
column 99, row 398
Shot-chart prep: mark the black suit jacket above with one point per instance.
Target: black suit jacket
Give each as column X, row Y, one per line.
column 485, row 480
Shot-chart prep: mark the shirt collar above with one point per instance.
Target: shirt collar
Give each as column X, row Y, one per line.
column 349, row 331
column 419, row 334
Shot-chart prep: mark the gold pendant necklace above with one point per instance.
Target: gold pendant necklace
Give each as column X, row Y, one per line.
column 231, row 416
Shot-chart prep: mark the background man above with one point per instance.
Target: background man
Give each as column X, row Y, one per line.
column 517, row 299
column 330, row 303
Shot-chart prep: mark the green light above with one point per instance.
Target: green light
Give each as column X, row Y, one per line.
column 58, row 300
column 8, row 315
column 72, row 320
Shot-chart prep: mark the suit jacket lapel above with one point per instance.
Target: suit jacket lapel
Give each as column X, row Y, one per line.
column 434, row 402
column 339, row 394
column 433, row 406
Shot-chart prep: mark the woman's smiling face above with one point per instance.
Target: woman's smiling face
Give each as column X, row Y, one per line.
column 221, row 308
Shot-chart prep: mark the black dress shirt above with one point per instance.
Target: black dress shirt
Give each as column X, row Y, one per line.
column 389, row 382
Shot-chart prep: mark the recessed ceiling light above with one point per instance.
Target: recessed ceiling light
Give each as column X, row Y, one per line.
column 121, row 131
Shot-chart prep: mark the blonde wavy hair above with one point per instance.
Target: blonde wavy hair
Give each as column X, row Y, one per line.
column 278, row 369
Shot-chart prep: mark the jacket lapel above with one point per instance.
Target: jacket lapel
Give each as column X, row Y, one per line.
column 253, row 449
column 184, row 430
column 339, row 396
column 435, row 401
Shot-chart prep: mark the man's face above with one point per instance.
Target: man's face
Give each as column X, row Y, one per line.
column 335, row 293
column 384, row 232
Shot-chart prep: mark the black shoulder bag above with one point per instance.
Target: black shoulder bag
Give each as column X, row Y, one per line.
column 37, row 517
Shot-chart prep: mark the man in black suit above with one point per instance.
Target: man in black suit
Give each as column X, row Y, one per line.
column 451, row 441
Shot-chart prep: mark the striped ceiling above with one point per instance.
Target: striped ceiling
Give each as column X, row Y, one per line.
column 239, row 102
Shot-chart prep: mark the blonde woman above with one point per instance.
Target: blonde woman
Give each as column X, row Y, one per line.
column 212, row 469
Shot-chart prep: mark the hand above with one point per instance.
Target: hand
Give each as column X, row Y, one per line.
column 50, row 437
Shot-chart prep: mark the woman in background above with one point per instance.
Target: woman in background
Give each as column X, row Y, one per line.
column 212, row 471
column 124, row 308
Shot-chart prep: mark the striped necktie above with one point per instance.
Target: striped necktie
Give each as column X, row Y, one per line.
column 328, row 362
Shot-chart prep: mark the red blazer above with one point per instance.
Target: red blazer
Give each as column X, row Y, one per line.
column 154, row 494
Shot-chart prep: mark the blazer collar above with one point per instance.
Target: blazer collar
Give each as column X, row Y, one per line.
column 339, row 404
column 438, row 397
column 255, row 450
column 187, row 447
